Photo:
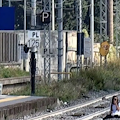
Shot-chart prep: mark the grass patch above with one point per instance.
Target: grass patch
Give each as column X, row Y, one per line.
column 63, row 90
column 12, row 72
column 97, row 78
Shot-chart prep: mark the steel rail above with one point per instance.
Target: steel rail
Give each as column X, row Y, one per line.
column 92, row 115
column 68, row 109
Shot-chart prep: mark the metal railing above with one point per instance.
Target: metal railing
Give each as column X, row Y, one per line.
column 66, row 73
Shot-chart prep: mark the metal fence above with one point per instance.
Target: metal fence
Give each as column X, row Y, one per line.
column 9, row 48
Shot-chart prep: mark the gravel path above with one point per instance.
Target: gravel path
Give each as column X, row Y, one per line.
column 80, row 112
column 105, row 117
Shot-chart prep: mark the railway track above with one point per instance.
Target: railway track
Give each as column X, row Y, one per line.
column 92, row 115
column 84, row 111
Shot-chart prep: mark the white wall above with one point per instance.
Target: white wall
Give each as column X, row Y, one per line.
column 40, row 59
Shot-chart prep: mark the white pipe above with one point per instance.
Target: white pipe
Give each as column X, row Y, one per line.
column 33, row 14
column 0, row 3
column 9, row 3
column 24, row 67
column 92, row 31
column 53, row 15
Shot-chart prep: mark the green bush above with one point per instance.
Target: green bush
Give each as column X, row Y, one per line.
column 12, row 72
column 97, row 78
column 103, row 77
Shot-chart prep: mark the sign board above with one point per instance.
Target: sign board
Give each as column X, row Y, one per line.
column 87, row 47
column 104, row 48
column 7, row 18
column 1, row 87
column 45, row 17
column 46, row 52
column 23, row 54
column 33, row 39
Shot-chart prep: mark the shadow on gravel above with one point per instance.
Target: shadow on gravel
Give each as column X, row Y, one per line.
column 109, row 116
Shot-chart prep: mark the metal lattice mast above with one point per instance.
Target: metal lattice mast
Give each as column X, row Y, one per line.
column 103, row 24
column 117, row 24
column 103, row 20
column 47, row 37
column 79, row 26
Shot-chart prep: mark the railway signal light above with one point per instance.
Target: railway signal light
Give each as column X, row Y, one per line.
column 26, row 49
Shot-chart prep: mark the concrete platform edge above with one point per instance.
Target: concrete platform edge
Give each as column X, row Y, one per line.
column 26, row 108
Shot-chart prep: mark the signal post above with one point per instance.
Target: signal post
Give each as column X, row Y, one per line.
column 32, row 44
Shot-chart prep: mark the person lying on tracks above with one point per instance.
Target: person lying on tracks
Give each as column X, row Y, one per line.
column 115, row 107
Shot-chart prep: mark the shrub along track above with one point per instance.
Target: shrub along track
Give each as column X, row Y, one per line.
column 84, row 111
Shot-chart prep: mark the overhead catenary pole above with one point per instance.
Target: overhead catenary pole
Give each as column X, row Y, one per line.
column 103, row 20
column 66, row 54
column 79, row 30
column 33, row 59
column 53, row 15
column 92, row 31
column 24, row 68
column 110, row 20
column 103, row 24
column 60, row 37
column 117, row 28
column 116, row 19
column 9, row 3
column 33, row 14
column 47, row 42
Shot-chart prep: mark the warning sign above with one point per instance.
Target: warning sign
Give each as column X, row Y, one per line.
column 104, row 48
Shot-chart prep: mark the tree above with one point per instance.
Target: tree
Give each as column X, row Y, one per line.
column 97, row 16
column 69, row 15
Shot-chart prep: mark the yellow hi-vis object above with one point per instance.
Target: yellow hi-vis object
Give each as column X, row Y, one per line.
column 104, row 48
